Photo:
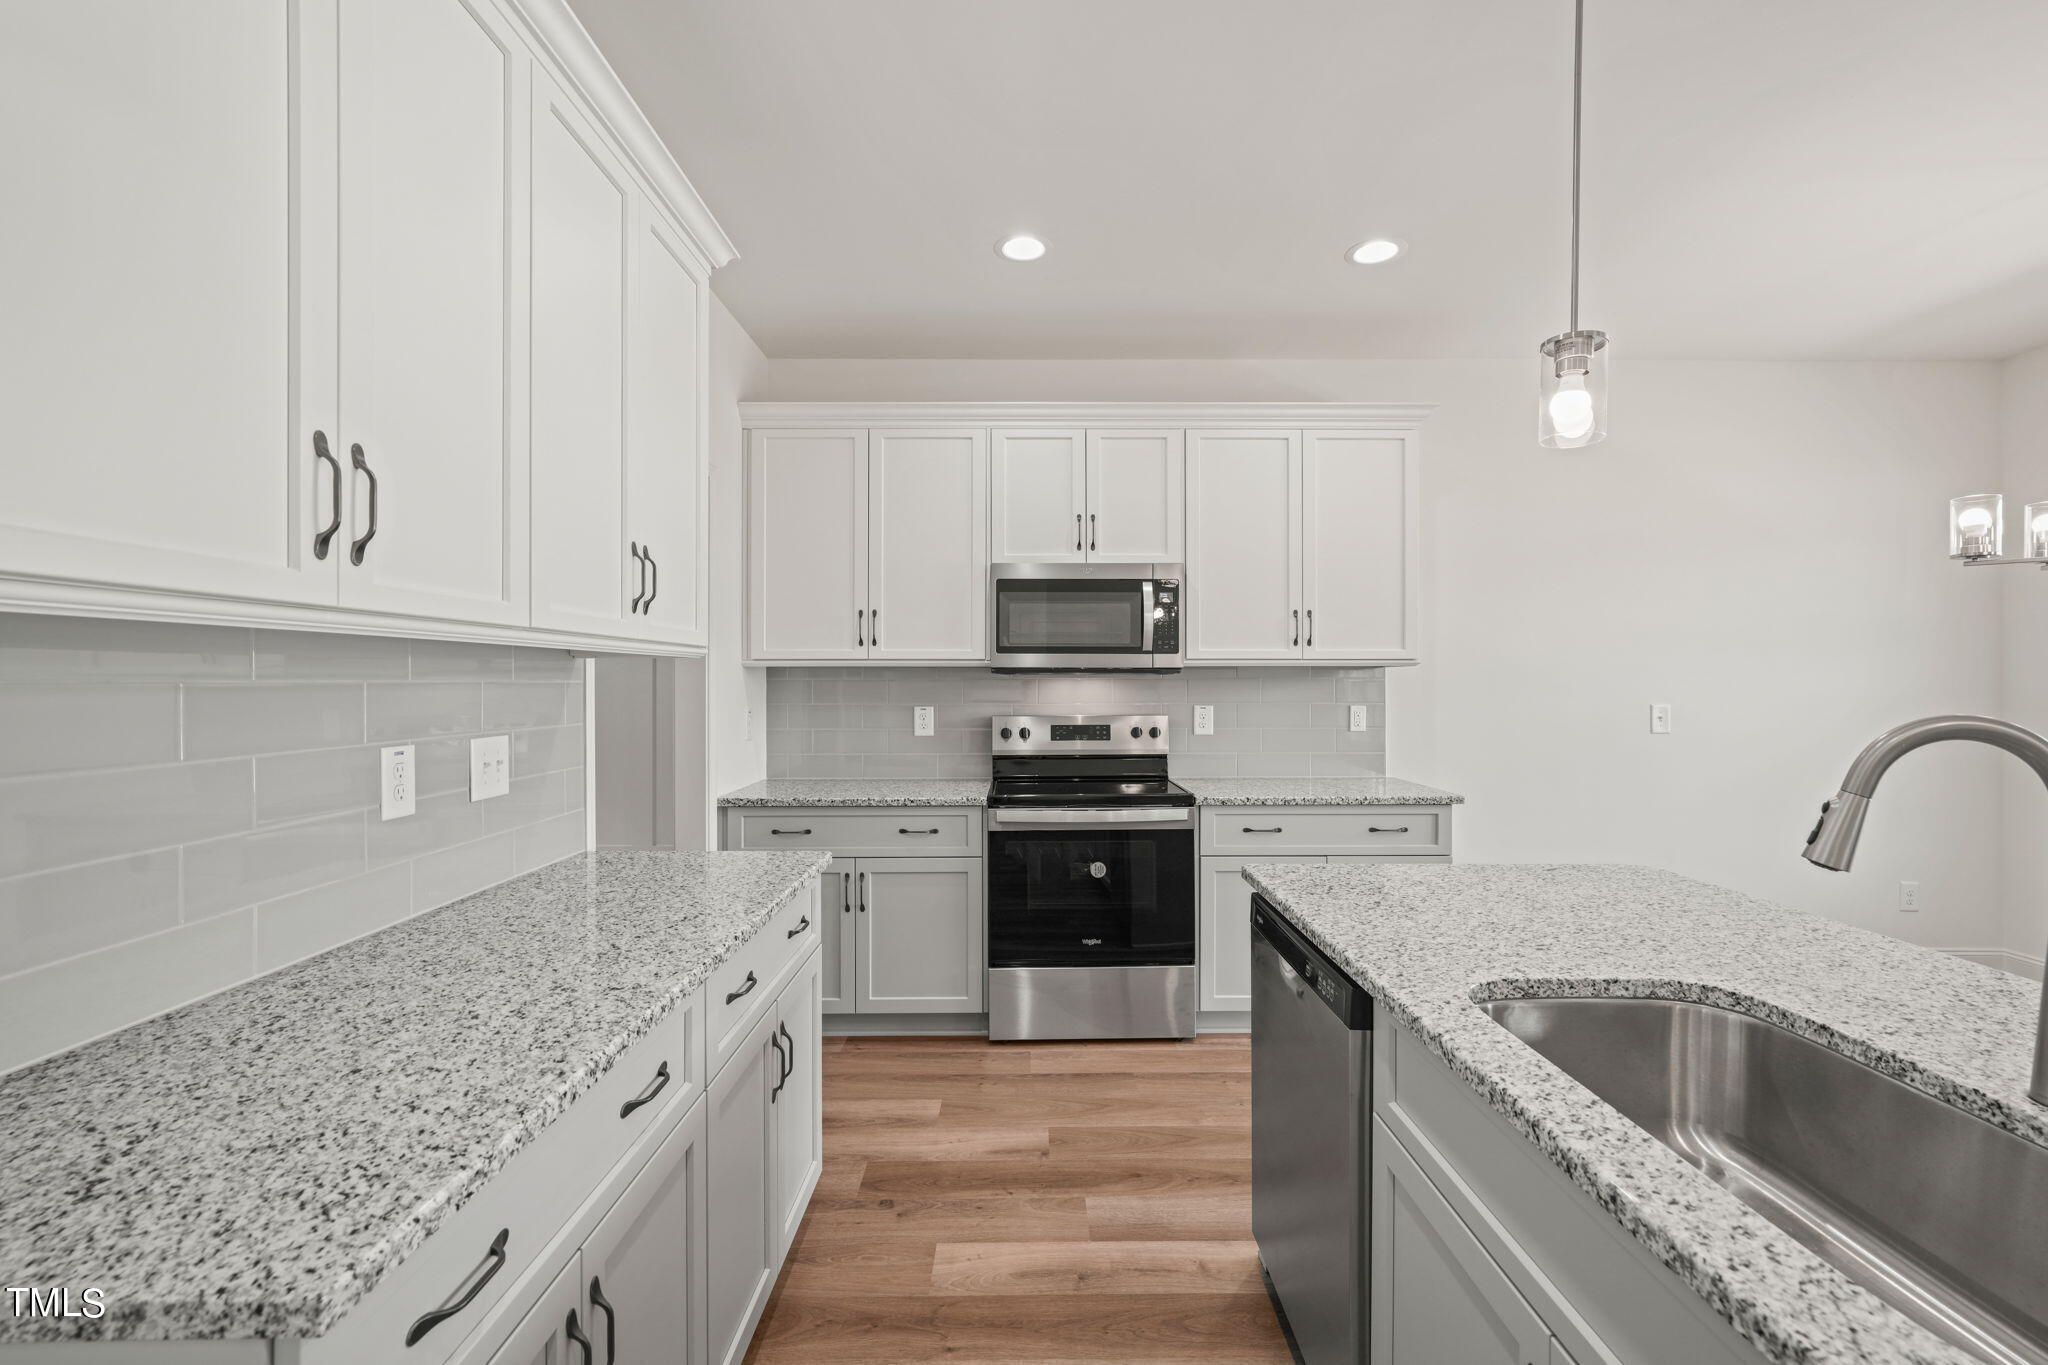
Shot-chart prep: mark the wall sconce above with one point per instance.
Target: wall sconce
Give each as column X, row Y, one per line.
column 1976, row 531
column 2034, row 532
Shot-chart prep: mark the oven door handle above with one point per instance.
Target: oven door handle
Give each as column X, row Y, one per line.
column 1115, row 815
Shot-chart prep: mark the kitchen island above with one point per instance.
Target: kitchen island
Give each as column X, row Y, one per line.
column 1432, row 943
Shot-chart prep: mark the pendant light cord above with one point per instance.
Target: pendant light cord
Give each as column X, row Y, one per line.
column 1578, row 79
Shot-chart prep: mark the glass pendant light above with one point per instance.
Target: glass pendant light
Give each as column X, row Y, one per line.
column 1572, row 371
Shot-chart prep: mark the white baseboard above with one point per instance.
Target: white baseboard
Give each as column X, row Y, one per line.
column 2019, row 964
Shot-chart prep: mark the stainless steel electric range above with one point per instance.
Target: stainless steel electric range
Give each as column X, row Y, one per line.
column 1091, row 881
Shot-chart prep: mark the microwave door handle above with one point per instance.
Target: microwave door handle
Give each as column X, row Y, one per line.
column 1145, row 587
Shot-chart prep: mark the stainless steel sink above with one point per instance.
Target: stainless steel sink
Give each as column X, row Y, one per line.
column 1940, row 1214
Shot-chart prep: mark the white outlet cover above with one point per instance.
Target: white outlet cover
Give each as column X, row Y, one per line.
column 1205, row 720
column 397, row 797
column 490, row 767
column 924, row 721
column 1361, row 718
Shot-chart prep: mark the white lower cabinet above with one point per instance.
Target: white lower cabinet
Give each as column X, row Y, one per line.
column 553, row 1331
column 837, row 935
column 643, row 1268
column 1223, row 944
column 919, row 945
column 798, row 1102
column 744, row 1221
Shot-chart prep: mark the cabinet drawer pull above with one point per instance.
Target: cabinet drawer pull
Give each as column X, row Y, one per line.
column 1297, row 625
column 1077, row 533
column 752, row 981
column 640, row 590
column 611, row 1320
column 573, row 1329
column 653, row 581
column 860, row 628
column 846, row 893
column 801, row 925
column 1275, row 830
column 788, row 1051
column 647, row 1096
column 362, row 542
column 788, row 831
column 917, row 831
column 1386, row 829
column 863, row 893
column 1311, row 627
column 875, row 626
column 325, row 536
column 781, row 1071
column 497, row 1258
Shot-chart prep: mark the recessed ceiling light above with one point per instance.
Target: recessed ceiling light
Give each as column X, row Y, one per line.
column 1022, row 247
column 1376, row 251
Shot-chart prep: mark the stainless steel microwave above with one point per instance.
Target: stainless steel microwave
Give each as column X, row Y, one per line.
column 1085, row 618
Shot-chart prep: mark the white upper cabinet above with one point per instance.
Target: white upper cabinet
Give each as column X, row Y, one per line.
column 1137, row 484
column 1360, row 546
column 927, row 545
column 1244, row 545
column 167, row 336
column 667, row 433
column 433, row 218
column 582, row 203
column 807, row 545
column 1068, row 496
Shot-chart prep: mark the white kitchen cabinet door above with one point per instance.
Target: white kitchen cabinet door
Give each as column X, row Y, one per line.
column 583, row 577
column 1225, row 946
column 1436, row 1294
column 836, row 936
column 667, row 436
column 1359, row 546
column 1137, row 496
column 1038, row 492
column 434, row 123
column 645, row 1276
column 167, row 336
column 807, row 545
column 799, row 1102
column 543, row 1335
column 741, row 1200
column 928, row 545
column 920, row 924
column 1244, row 545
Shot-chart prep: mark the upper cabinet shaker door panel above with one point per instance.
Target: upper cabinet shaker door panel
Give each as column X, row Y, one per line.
column 166, row 347
column 581, row 204
column 1244, row 545
column 1358, row 560
column 1038, row 485
column 928, row 545
column 434, row 124
column 807, row 545
column 669, row 318
column 1137, row 496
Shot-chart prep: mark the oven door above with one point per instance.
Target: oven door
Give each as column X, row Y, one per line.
column 1070, row 623
column 1085, row 895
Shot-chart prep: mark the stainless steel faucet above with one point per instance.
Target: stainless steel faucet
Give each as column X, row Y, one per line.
column 1832, row 844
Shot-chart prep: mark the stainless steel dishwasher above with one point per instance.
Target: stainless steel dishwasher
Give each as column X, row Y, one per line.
column 1311, row 1135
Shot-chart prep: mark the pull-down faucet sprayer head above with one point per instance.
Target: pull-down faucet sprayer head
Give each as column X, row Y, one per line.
column 1832, row 844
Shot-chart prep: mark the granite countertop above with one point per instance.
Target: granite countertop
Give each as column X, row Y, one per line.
column 252, row 1165
column 860, row 791
column 1376, row 790
column 1432, row 941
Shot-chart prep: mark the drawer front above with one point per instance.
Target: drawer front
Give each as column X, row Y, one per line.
column 896, row 832
column 527, row 1203
column 1249, row 831
column 742, row 989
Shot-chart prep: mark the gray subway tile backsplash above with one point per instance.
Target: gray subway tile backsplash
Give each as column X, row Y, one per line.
column 182, row 807
column 1270, row 722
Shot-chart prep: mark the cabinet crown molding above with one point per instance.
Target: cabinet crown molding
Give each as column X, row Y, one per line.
column 1352, row 416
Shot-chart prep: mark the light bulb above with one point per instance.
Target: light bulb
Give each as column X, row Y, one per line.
column 1974, row 521
column 1571, row 408
column 1022, row 247
column 2037, row 536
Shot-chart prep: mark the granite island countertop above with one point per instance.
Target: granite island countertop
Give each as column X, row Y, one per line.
column 1430, row 942
column 254, row 1164
column 1370, row 790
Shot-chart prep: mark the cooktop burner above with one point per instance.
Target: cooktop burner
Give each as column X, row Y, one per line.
column 1089, row 761
column 1089, row 791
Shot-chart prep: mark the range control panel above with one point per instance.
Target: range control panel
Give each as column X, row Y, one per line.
column 1137, row 734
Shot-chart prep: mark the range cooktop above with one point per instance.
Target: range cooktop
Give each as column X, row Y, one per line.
column 1095, row 761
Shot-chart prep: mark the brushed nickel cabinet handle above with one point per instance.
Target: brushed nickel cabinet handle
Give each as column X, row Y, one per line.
column 362, row 542
column 325, row 536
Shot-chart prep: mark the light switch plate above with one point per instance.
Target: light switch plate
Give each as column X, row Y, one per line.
column 1361, row 718
column 396, row 795
column 922, row 722
column 1660, row 718
column 490, row 767
column 1205, row 720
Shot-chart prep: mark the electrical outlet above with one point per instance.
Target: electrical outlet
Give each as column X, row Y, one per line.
column 1660, row 718
column 923, row 720
column 1205, row 720
column 1361, row 718
column 490, row 767
column 396, row 790
column 1909, row 897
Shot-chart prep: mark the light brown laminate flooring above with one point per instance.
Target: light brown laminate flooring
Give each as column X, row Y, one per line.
column 1029, row 1203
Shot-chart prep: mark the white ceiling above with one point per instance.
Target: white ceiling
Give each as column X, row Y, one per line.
column 1775, row 178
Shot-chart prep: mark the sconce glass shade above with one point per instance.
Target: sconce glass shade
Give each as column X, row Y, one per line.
column 1572, row 390
column 2034, row 532
column 1976, row 526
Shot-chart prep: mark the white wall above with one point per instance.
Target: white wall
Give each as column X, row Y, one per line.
column 739, row 750
column 1758, row 544
column 2023, row 434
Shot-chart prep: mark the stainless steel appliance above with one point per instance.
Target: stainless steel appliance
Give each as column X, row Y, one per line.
column 1085, row 618
column 1311, row 1139
column 1091, row 881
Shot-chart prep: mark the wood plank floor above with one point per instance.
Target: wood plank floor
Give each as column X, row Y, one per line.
column 1029, row 1203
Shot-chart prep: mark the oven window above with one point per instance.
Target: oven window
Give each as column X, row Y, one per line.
column 1059, row 899
column 1069, row 616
